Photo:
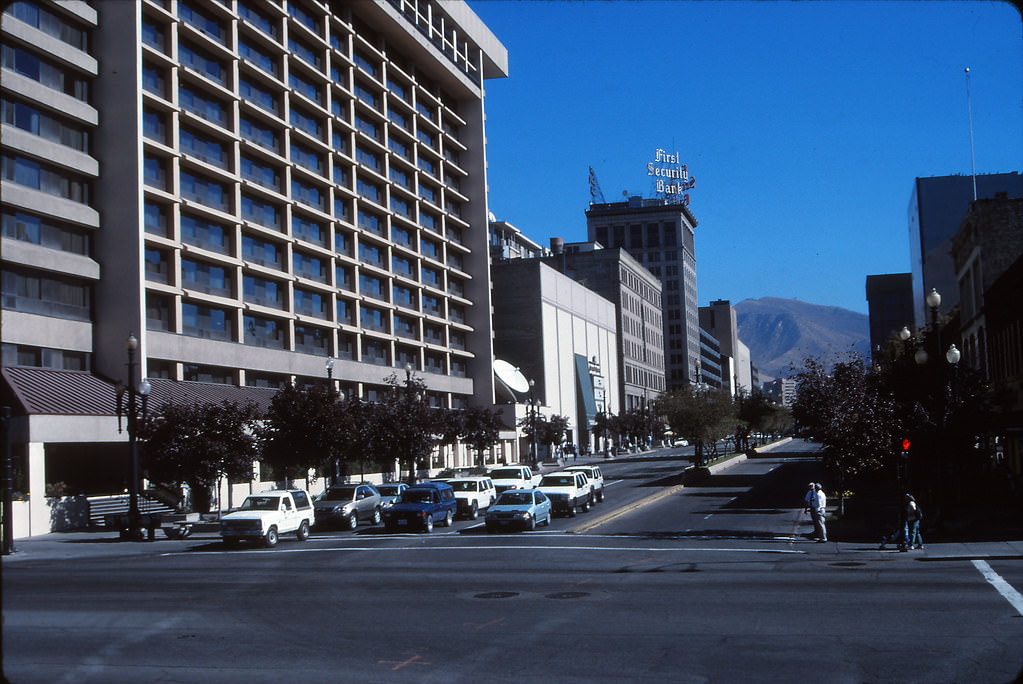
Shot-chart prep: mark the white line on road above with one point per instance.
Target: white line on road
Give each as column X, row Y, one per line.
column 612, row 482
column 1014, row 598
column 485, row 548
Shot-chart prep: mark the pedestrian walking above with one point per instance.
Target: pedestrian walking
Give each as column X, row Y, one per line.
column 822, row 512
column 812, row 507
column 913, row 516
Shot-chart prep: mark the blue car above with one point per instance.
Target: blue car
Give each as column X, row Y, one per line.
column 519, row 509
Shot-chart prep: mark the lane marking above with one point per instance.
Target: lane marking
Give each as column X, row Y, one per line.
column 488, row 548
column 613, row 482
column 1007, row 591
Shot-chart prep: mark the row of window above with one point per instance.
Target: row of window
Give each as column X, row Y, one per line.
column 59, row 26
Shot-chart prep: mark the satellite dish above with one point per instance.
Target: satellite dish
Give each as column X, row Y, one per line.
column 511, row 376
column 491, row 217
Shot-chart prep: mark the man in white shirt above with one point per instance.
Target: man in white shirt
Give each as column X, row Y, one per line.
column 822, row 512
column 812, row 507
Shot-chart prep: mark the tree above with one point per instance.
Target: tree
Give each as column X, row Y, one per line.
column 757, row 413
column 198, row 444
column 304, row 430
column 404, row 425
column 549, row 431
column 481, row 429
column 698, row 415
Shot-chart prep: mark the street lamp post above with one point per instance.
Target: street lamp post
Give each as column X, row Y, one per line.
column 138, row 396
column 535, row 457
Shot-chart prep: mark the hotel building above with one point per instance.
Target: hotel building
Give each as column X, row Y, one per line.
column 251, row 187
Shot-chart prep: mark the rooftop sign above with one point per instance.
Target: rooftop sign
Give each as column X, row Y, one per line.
column 672, row 178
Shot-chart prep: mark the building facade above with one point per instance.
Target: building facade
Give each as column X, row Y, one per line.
column 660, row 235
column 636, row 294
column 889, row 308
column 563, row 337
column 936, row 208
column 251, row 187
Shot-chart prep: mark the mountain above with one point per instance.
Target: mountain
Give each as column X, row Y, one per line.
column 783, row 332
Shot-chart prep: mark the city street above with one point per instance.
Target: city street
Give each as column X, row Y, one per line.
column 711, row 582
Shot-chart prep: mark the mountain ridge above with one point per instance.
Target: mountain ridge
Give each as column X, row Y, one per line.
column 782, row 333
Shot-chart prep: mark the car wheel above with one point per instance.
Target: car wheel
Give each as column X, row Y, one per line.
column 600, row 495
column 586, row 505
column 474, row 511
column 376, row 516
column 303, row 531
column 428, row 524
column 531, row 525
column 270, row 538
column 353, row 520
column 571, row 511
column 449, row 518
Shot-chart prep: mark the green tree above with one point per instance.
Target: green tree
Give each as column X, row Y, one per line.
column 701, row 416
column 304, row 430
column 405, row 426
column 198, row 444
column 481, row 429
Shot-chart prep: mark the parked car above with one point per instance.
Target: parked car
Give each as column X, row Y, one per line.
column 346, row 505
column 513, row 477
column 420, row 506
column 264, row 517
column 519, row 508
column 389, row 491
column 567, row 491
column 595, row 477
column 474, row 494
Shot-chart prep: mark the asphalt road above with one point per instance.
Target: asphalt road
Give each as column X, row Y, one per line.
column 708, row 583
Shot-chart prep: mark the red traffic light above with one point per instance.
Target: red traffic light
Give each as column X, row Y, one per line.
column 905, row 445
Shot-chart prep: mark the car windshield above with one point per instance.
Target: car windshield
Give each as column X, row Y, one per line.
column 557, row 481
column 465, row 486
column 506, row 474
column 515, row 499
column 416, row 496
column 388, row 490
column 338, row 494
column 261, row 503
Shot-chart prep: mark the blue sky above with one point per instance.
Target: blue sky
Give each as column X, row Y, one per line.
column 804, row 124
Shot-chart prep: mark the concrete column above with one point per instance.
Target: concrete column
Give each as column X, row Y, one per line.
column 38, row 510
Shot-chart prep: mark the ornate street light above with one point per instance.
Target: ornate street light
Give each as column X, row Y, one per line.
column 933, row 300
column 135, row 392
column 953, row 355
column 532, row 425
column 905, row 333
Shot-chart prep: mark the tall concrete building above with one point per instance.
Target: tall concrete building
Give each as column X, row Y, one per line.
column 738, row 373
column 660, row 235
column 251, row 187
column 936, row 208
column 890, row 307
column 636, row 294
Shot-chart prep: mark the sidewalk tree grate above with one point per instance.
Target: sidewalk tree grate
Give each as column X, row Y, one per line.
column 567, row 595
column 847, row 564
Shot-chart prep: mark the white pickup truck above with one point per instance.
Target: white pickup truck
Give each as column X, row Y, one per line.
column 513, row 477
column 264, row 517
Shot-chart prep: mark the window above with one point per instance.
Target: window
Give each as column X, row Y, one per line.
column 47, row 295
column 154, row 125
column 159, row 309
column 344, row 311
column 301, row 49
column 369, row 190
column 257, row 57
column 45, row 232
column 263, row 252
column 154, row 172
column 45, row 72
column 372, row 319
column 426, row 138
column 371, row 222
column 261, row 173
column 261, row 135
column 38, row 122
column 400, row 177
column 263, row 292
column 261, row 212
column 429, row 220
column 343, row 278
column 154, row 218
column 397, row 88
column 342, row 243
column 406, row 327
column 202, row 63
column 310, row 231
column 376, row 352
column 341, row 175
column 203, row 106
column 303, row 17
column 339, row 142
column 367, row 95
column 50, row 23
column 304, row 87
column 368, row 65
column 403, row 296
column 209, row 278
column 306, row 158
column 427, row 165
column 372, row 287
column 401, row 207
column 257, row 19
column 401, row 236
column 431, row 277
column 370, row 255
column 367, row 158
column 206, row 149
column 44, row 178
column 306, row 123
column 204, row 234
column 430, row 249
column 428, row 193
column 432, row 305
column 309, row 267
column 427, row 111
column 368, row 127
column 205, row 191
column 311, row 340
column 399, row 148
column 257, row 96
column 307, row 194
column 201, row 22
column 310, row 303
